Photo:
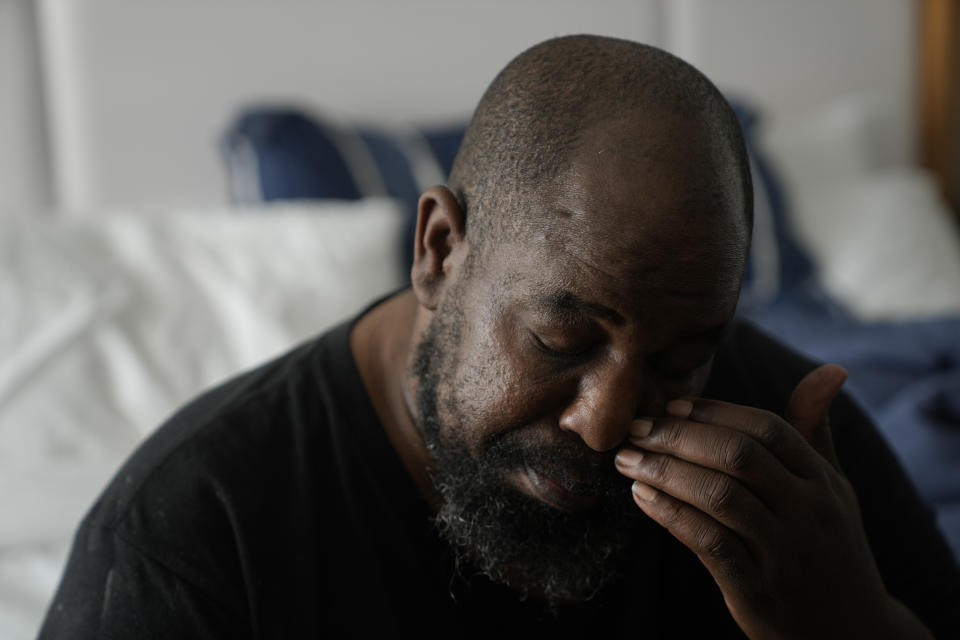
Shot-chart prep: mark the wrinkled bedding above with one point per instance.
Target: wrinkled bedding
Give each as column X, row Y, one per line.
column 111, row 323
column 905, row 374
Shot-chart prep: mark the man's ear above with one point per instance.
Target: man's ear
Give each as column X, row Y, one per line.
column 440, row 245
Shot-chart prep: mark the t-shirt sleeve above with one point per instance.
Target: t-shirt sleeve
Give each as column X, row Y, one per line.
column 112, row 589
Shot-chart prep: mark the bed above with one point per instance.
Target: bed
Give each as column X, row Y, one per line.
column 133, row 303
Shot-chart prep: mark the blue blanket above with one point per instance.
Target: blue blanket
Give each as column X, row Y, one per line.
column 907, row 377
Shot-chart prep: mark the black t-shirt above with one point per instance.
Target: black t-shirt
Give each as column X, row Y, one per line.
column 274, row 506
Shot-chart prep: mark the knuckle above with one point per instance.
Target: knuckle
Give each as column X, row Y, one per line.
column 720, row 497
column 672, row 515
column 658, row 468
column 672, row 436
column 738, row 454
column 713, row 543
column 769, row 430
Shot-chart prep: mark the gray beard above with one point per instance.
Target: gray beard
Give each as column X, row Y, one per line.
column 499, row 532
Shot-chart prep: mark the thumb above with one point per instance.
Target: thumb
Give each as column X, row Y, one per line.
column 809, row 405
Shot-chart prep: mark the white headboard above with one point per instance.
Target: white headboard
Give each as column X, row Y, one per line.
column 137, row 93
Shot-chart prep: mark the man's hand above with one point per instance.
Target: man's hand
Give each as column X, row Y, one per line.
column 763, row 503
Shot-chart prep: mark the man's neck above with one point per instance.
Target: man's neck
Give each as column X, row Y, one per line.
column 381, row 343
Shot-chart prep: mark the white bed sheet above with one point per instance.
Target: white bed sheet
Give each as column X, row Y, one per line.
column 111, row 322
column 884, row 241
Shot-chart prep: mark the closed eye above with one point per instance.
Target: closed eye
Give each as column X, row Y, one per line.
column 570, row 351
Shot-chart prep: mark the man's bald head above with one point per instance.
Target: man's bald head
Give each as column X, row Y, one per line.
column 602, row 192
column 532, row 119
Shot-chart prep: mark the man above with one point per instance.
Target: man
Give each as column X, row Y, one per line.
column 559, row 429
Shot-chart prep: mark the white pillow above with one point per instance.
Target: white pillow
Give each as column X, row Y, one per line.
column 880, row 236
column 110, row 323
column 887, row 246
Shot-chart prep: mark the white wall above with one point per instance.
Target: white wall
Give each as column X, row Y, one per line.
column 138, row 91
column 141, row 90
column 791, row 56
column 24, row 170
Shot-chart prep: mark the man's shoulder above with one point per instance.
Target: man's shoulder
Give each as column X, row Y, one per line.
column 219, row 453
column 268, row 494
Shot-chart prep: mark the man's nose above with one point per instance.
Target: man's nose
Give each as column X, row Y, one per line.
column 605, row 405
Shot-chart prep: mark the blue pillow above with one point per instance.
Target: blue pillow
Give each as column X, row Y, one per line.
column 778, row 263
column 284, row 153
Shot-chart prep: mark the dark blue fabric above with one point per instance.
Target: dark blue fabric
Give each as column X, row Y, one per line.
column 445, row 142
column 393, row 165
column 905, row 374
column 295, row 156
column 795, row 265
column 398, row 178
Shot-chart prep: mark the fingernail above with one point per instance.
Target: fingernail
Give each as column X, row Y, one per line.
column 680, row 408
column 644, row 491
column 629, row 457
column 641, row 428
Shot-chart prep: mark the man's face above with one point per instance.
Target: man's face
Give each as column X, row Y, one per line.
column 540, row 355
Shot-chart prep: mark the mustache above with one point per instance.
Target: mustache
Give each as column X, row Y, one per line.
column 565, row 460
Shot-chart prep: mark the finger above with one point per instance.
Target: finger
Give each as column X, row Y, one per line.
column 716, row 494
column 809, row 407
column 726, row 450
column 719, row 549
column 769, row 429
